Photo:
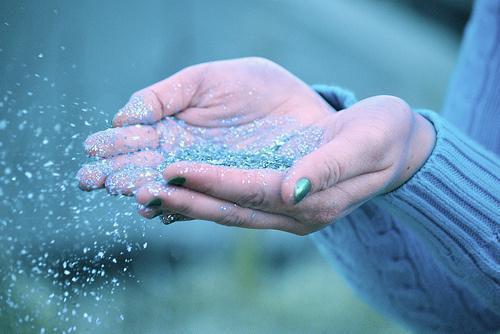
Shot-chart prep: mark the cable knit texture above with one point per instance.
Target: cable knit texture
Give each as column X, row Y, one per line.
column 428, row 253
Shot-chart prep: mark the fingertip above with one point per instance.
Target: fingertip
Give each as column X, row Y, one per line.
column 301, row 189
column 118, row 120
column 146, row 193
column 99, row 144
column 115, row 184
column 128, row 179
column 142, row 108
column 170, row 171
column 180, row 169
column 91, row 177
column 296, row 186
column 148, row 212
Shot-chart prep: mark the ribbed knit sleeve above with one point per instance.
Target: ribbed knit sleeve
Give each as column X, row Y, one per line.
column 453, row 202
column 473, row 99
column 427, row 253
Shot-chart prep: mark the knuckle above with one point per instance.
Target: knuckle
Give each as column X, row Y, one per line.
column 399, row 109
column 232, row 218
column 332, row 172
column 393, row 102
column 255, row 195
column 325, row 217
column 315, row 217
column 253, row 198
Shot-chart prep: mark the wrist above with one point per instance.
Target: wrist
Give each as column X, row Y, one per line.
column 421, row 144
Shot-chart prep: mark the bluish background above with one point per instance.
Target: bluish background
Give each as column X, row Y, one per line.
column 67, row 66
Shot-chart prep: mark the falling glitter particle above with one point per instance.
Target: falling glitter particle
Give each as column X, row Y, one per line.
column 75, row 248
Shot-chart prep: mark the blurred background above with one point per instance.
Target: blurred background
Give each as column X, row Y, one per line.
column 78, row 262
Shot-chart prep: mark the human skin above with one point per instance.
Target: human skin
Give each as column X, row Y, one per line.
column 369, row 149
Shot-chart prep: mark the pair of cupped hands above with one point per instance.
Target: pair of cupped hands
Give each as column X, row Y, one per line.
column 368, row 149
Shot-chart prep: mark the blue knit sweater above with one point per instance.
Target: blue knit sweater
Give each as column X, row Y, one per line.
column 428, row 253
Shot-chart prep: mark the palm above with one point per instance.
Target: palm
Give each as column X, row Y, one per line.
column 237, row 105
column 238, row 92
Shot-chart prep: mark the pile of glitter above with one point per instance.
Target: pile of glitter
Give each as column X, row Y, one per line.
column 274, row 143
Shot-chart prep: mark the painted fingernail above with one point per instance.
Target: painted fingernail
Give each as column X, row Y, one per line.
column 154, row 202
column 176, row 181
column 302, row 188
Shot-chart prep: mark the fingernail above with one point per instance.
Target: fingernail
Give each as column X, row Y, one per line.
column 154, row 202
column 302, row 188
column 176, row 181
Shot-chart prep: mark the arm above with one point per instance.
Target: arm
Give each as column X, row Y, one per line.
column 453, row 203
column 435, row 238
column 368, row 149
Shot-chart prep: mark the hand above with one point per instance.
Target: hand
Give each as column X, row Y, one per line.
column 374, row 147
column 209, row 98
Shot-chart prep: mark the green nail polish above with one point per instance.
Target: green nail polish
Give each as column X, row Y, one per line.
column 302, row 188
column 176, row 181
column 154, row 202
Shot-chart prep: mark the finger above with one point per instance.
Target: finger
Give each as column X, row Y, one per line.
column 92, row 176
column 113, row 142
column 164, row 98
column 258, row 189
column 340, row 159
column 127, row 179
column 324, row 207
column 204, row 207
column 149, row 212
column 153, row 212
column 173, row 135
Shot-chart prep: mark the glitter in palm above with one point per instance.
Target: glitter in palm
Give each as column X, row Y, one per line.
column 272, row 143
column 232, row 147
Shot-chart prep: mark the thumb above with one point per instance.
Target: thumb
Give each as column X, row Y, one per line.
column 337, row 161
column 164, row 98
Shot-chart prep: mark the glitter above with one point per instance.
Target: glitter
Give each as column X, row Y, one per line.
column 274, row 143
column 127, row 179
column 100, row 143
column 137, row 111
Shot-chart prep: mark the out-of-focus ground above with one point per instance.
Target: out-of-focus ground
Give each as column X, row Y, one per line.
column 200, row 277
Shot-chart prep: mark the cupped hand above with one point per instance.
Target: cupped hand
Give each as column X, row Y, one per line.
column 199, row 102
column 373, row 147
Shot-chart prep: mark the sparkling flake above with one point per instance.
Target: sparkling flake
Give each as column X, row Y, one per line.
column 265, row 144
column 71, row 250
column 137, row 110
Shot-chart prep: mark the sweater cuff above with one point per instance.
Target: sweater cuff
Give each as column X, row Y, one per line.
column 460, row 179
column 453, row 202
